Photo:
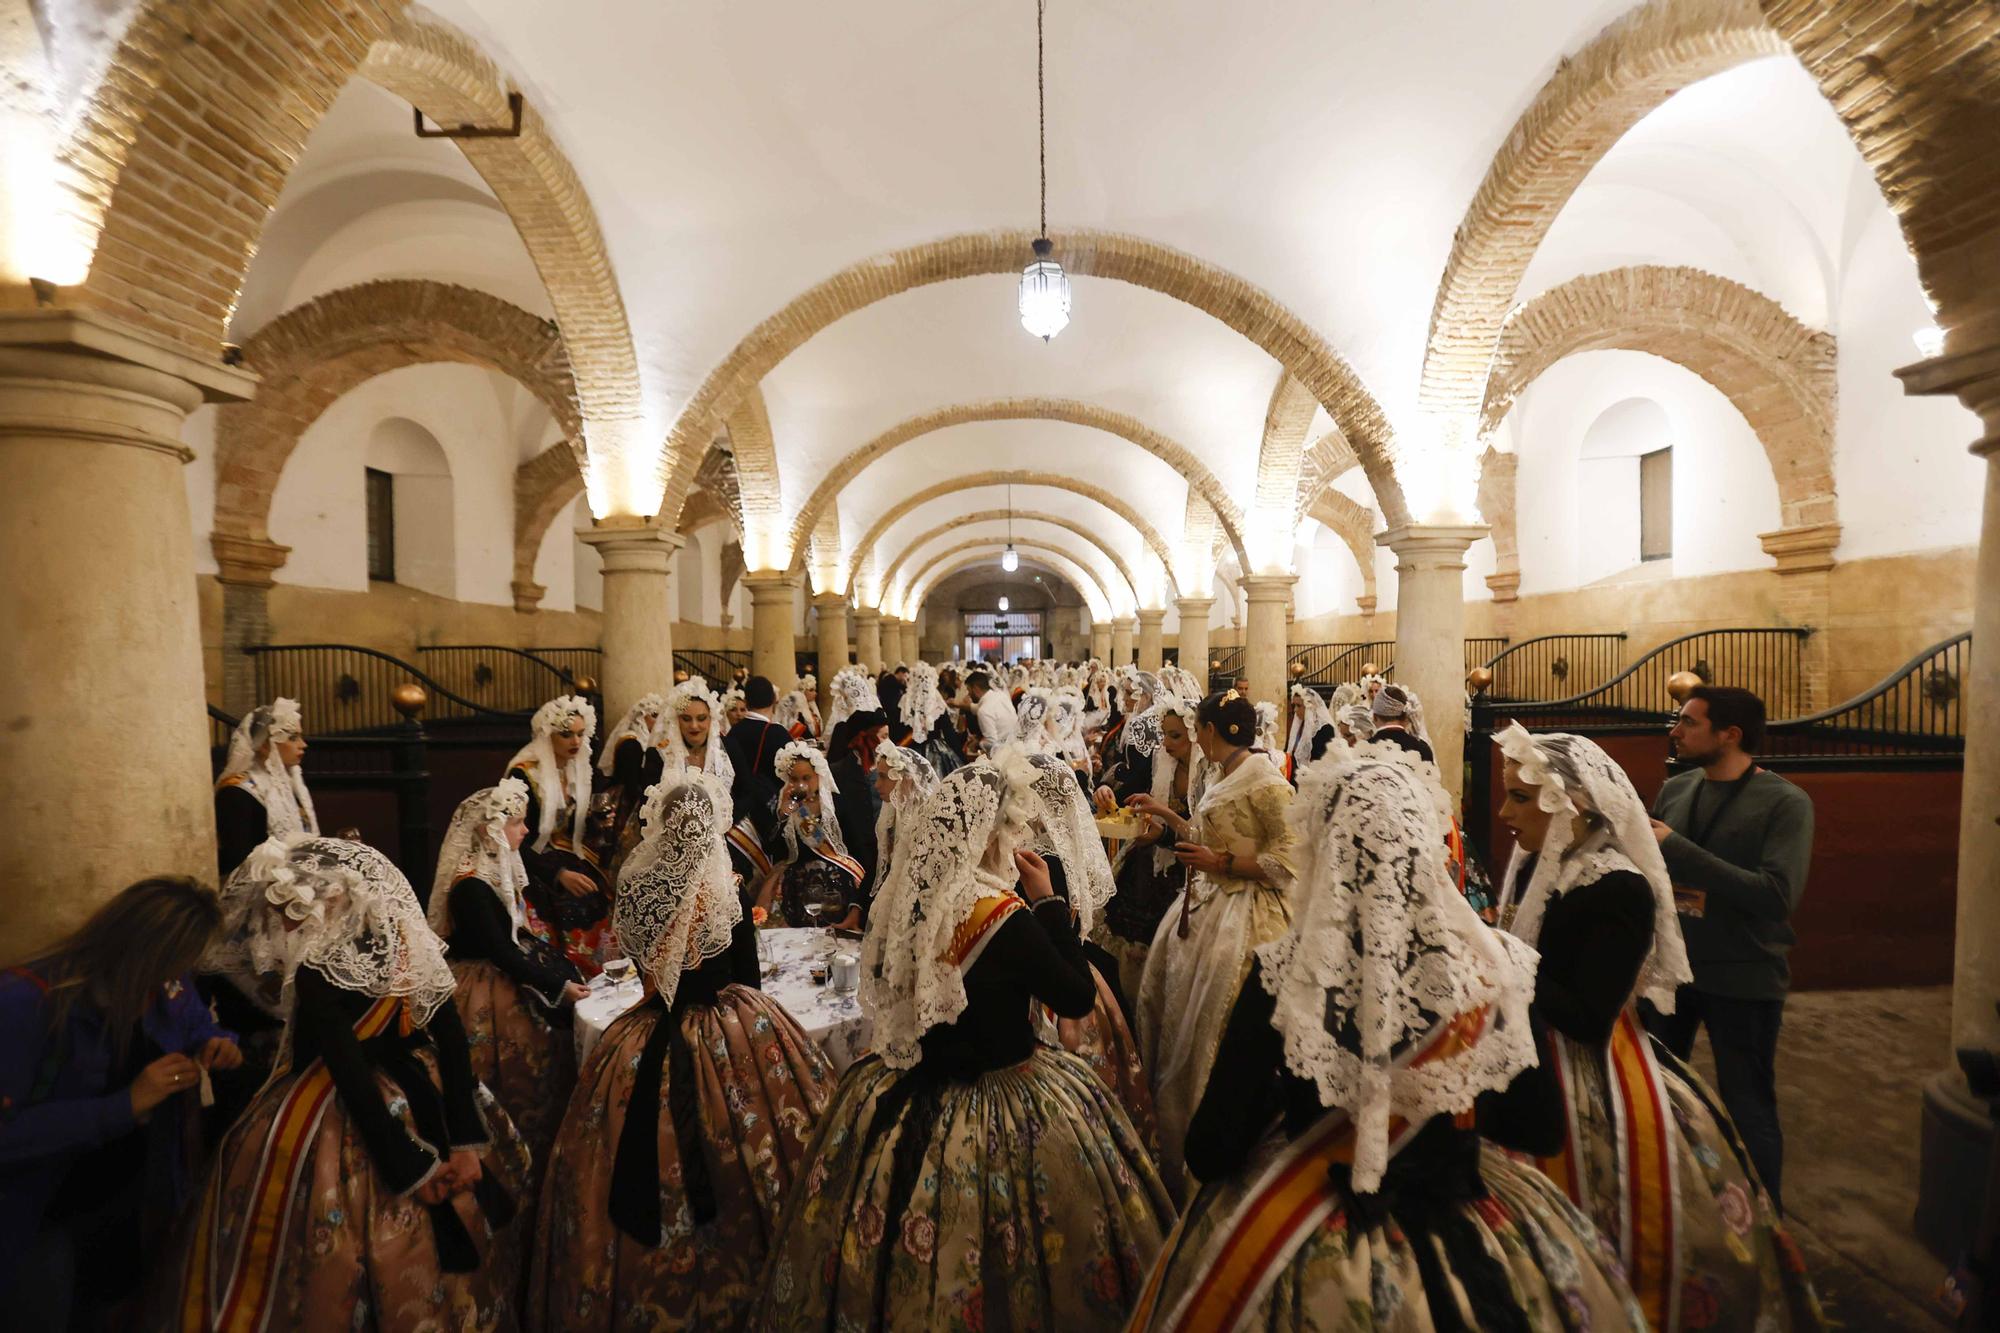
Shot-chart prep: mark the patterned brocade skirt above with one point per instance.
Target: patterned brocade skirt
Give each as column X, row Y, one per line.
column 1523, row 1245
column 527, row 1064
column 1022, row 1199
column 761, row 1086
column 1105, row 1043
column 351, row 1257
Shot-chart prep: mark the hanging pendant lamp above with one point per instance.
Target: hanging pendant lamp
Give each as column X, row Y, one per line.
column 1044, row 298
column 1009, row 561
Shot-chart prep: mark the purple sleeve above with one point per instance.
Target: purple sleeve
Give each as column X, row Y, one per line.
column 186, row 1023
column 36, row 1129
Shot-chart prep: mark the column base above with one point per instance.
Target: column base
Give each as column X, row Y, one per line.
column 1957, row 1144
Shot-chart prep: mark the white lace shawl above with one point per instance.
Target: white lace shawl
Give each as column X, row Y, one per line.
column 1132, row 687
column 732, row 695
column 828, row 823
column 1066, row 724
column 715, row 759
column 1382, row 949
column 475, row 847
column 1150, row 739
column 853, row 692
column 1031, row 718
column 907, row 984
column 922, row 704
column 677, row 903
column 288, row 806
column 798, row 706
column 1358, row 719
column 1313, row 716
column 1180, row 682
column 1572, row 775
column 355, row 919
column 1099, row 691
column 1061, row 823
column 1254, row 772
column 1267, row 728
column 539, row 757
column 633, row 724
column 911, row 780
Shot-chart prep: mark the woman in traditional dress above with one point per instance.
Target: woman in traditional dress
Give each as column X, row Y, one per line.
column 373, row 1184
column 1237, row 848
column 798, row 711
column 1125, row 764
column 966, row 1176
column 690, row 1122
column 732, row 708
column 513, row 990
column 924, row 712
column 903, row 779
column 1063, row 832
column 1148, row 874
column 1356, row 724
column 1066, row 726
column 690, row 740
column 1032, row 713
column 1344, row 1185
column 631, row 761
column 262, row 791
column 569, row 887
column 817, row 867
column 103, row 1044
column 1268, row 742
column 1312, row 728
column 1588, row 888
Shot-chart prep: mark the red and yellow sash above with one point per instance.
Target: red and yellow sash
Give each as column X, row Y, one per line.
column 233, row 1293
column 1287, row 1204
column 1648, row 1189
column 743, row 837
column 978, row 928
column 839, row 860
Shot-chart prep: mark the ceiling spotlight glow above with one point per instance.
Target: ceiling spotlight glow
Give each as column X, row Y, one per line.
column 1929, row 340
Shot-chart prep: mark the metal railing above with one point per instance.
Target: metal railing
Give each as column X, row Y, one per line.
column 1479, row 651
column 344, row 688
column 507, row 680
column 221, row 727
column 1915, row 716
column 1329, row 664
column 716, row 666
column 1764, row 660
column 1228, row 662
column 1554, row 666
column 576, row 663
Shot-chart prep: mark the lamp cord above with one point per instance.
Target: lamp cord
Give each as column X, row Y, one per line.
column 1042, row 113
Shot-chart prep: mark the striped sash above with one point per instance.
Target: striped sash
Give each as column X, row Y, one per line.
column 742, row 836
column 978, row 928
column 233, row 1293
column 840, row 861
column 1282, row 1210
column 1643, row 1148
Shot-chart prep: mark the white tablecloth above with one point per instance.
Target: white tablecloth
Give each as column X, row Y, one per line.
column 834, row 1021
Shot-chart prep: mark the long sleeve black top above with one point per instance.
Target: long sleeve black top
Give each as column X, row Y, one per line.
column 854, row 810
column 240, row 825
column 1249, row 1088
column 1593, row 940
column 323, row 1022
column 1033, row 955
column 481, row 931
column 735, row 966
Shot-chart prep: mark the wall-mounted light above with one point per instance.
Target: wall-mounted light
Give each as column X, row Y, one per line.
column 1929, row 340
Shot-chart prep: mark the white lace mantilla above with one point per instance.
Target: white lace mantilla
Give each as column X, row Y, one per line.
column 475, row 847
column 677, row 903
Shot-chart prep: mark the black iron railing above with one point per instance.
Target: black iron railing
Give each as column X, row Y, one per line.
column 716, row 666
column 343, row 688
column 1478, row 652
column 1764, row 660
column 506, row 680
column 1228, row 665
column 1914, row 717
column 221, row 727
column 577, row 663
column 1329, row 664
column 1554, row 666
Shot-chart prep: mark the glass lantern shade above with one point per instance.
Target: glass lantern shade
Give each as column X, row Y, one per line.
column 1044, row 295
column 1010, row 561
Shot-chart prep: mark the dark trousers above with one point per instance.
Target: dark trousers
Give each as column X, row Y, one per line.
column 1744, row 1037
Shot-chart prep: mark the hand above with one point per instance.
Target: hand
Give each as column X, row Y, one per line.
column 1195, row 856
column 1106, row 799
column 463, row 1168
column 220, row 1053
column 575, row 883
column 1147, row 804
column 160, row 1080
column 1660, row 831
column 1034, row 873
column 573, row 991
column 438, row 1188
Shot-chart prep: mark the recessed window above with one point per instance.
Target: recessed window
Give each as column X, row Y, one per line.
column 1656, row 505
column 381, row 526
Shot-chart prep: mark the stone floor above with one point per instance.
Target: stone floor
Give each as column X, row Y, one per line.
column 1850, row 1066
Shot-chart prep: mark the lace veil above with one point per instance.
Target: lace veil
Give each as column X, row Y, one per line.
column 540, row 754
column 1382, row 949
column 911, row 780
column 853, row 692
column 805, row 751
column 1359, row 719
column 1267, row 728
column 677, row 903
column 475, row 847
column 1062, row 824
column 1573, row 775
column 288, row 806
column 1031, row 717
column 1313, row 716
column 634, row 724
column 922, row 704
column 715, row 762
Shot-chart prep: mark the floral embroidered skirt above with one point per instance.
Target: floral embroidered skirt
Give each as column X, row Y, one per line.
column 1105, row 1043
column 528, row 1064
column 1740, row 1269
column 1535, row 1251
column 350, row 1256
column 761, row 1086
column 1023, row 1199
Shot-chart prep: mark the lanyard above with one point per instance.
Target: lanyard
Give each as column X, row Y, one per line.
column 1700, row 839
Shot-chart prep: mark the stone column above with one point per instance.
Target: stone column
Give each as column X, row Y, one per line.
column 907, row 637
column 1264, row 634
column 1194, row 652
column 244, row 568
column 868, row 639
column 831, row 610
column 1430, row 633
column 1100, row 640
column 638, row 626
column 773, row 608
column 1957, row 1127
column 101, row 660
column 1151, row 653
column 1805, row 574
column 1121, row 640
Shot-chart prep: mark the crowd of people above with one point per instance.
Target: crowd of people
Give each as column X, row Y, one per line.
column 1187, row 1011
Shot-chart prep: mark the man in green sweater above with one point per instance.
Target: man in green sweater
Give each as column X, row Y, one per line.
column 1737, row 841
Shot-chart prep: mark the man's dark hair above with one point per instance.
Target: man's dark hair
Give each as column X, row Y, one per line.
column 1733, row 706
column 758, row 693
column 978, row 680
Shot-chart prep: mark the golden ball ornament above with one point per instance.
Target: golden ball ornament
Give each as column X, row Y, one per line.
column 409, row 698
column 1681, row 684
column 1370, row 669
column 586, row 684
column 1215, row 664
column 1479, row 679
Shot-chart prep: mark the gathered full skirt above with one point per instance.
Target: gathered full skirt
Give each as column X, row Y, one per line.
column 1105, row 1043
column 525, row 1061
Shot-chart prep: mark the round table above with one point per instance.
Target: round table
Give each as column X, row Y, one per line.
column 835, row 1022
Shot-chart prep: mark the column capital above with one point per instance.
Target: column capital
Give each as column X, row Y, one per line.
column 1973, row 377
column 1126, row 623
column 1152, row 615
column 1431, row 545
column 633, row 548
column 1365, row 603
column 864, row 615
column 1193, row 605
column 528, row 595
column 114, row 342
column 1505, row 584
column 1806, row 549
column 827, row 601
column 768, row 585
column 1266, row 587
column 247, row 562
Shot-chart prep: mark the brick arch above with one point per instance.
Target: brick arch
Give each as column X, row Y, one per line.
column 987, row 515
column 314, row 353
column 1777, row 372
column 1282, row 453
column 1592, row 99
column 1326, row 461
column 1065, row 410
column 1247, row 309
column 141, row 171
column 1354, row 524
column 954, row 558
column 1054, row 480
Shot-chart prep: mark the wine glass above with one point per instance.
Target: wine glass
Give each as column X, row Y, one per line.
column 813, row 908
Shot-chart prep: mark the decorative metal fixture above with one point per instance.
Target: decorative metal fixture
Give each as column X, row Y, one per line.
column 1940, row 687
column 1009, row 561
column 1044, row 297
